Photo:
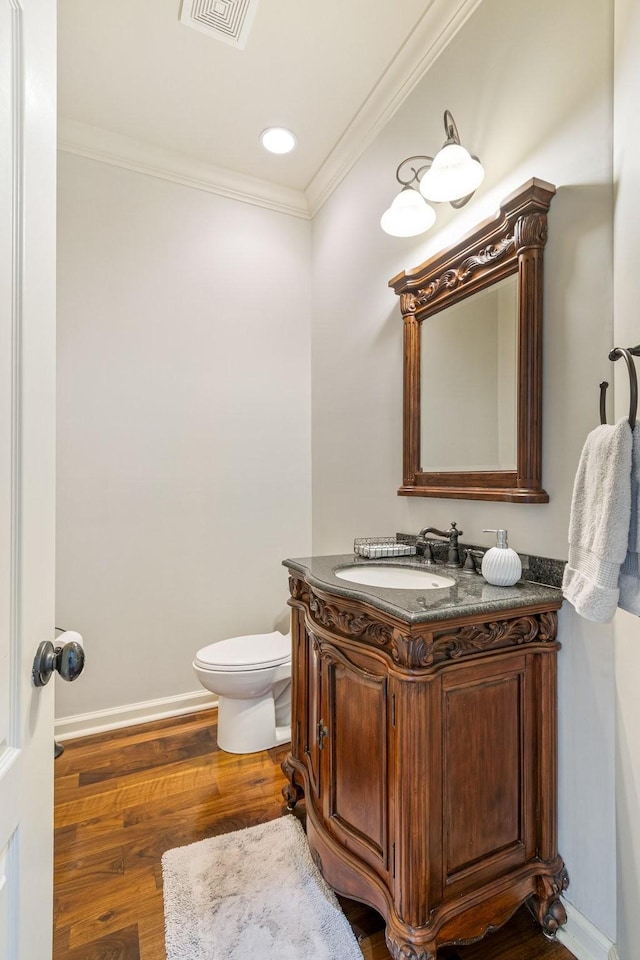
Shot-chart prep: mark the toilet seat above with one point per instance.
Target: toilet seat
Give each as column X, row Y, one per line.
column 252, row 652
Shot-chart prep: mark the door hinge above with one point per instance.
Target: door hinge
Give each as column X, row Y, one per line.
column 393, row 861
column 393, row 710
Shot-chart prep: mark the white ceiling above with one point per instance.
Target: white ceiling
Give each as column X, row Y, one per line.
column 331, row 71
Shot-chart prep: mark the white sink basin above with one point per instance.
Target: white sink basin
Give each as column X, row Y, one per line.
column 398, row 578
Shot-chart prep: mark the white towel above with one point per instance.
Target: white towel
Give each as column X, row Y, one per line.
column 630, row 572
column 599, row 524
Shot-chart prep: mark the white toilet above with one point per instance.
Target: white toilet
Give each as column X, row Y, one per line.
column 251, row 677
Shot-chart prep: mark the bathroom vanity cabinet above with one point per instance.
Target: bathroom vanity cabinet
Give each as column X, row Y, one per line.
column 424, row 742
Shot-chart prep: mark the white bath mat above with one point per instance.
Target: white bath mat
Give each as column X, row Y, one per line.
column 255, row 893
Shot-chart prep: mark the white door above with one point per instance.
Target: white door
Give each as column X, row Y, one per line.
column 27, row 372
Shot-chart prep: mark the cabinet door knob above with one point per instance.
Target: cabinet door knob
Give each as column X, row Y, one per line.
column 322, row 733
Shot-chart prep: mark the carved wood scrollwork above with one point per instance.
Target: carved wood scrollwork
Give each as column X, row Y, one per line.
column 292, row 791
column 351, row 624
column 487, row 636
column 531, row 231
column 408, row 304
column 559, row 883
column 548, row 626
column 298, row 589
column 412, row 652
column 422, row 650
column 546, row 904
column 452, row 279
column 400, row 950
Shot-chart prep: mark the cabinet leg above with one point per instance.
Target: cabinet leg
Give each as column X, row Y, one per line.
column 292, row 791
column 546, row 905
column 401, row 949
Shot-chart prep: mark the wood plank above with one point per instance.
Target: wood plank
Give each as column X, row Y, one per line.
column 97, row 929
column 119, row 945
column 151, row 936
column 121, row 895
column 176, row 779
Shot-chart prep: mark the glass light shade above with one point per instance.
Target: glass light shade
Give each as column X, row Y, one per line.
column 278, row 140
column 452, row 175
column 408, row 215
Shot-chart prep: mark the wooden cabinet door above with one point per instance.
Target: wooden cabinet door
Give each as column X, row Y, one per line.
column 488, row 770
column 356, row 752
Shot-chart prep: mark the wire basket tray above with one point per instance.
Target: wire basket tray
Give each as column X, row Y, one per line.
column 374, row 548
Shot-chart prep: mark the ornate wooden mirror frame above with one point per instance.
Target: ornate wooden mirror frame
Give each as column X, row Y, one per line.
column 510, row 243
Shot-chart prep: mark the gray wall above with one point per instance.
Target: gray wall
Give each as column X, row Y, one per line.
column 183, row 425
column 530, row 87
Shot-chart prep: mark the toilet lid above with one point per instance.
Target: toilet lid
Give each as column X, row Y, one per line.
column 258, row 650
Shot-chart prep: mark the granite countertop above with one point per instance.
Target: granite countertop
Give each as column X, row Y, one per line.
column 470, row 594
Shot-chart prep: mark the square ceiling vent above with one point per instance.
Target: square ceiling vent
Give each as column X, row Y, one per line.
column 226, row 20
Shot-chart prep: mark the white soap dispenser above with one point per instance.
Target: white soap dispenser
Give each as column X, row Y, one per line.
column 501, row 565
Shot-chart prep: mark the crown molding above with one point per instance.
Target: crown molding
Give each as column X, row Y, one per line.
column 438, row 26
column 94, row 143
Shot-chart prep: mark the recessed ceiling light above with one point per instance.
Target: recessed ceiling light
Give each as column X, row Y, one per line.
column 278, row 140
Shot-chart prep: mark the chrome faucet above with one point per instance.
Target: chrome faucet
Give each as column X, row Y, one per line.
column 452, row 534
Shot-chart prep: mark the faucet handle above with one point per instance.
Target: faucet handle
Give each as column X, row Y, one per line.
column 422, row 544
column 454, row 532
column 428, row 552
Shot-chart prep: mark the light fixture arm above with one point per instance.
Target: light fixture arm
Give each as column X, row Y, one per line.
column 456, row 204
column 450, row 128
column 416, row 174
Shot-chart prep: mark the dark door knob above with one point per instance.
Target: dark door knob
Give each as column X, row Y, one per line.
column 67, row 660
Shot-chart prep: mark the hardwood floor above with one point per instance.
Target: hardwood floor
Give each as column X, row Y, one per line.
column 124, row 797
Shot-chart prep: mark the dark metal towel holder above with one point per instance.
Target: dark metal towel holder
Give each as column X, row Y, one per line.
column 615, row 354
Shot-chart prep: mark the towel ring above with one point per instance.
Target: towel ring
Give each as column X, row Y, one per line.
column 603, row 401
column 614, row 355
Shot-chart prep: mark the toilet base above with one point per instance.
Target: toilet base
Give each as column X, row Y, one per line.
column 249, row 725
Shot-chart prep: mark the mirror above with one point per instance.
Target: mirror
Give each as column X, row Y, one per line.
column 473, row 359
column 475, row 429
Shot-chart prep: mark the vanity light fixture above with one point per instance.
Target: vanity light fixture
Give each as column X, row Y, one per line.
column 278, row 140
column 452, row 176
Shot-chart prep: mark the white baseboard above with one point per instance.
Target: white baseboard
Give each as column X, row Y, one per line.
column 84, row 724
column 583, row 939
